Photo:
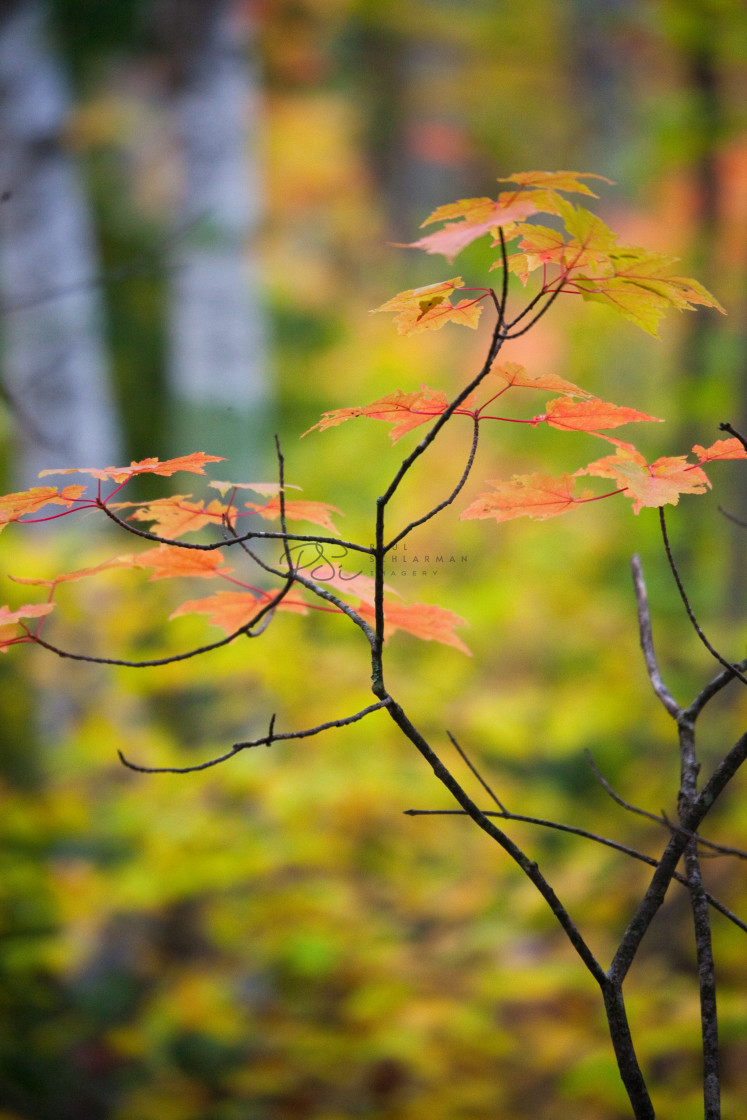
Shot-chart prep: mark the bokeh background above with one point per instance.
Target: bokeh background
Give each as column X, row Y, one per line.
column 199, row 201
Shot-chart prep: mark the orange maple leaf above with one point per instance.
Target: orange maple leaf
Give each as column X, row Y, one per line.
column 589, row 415
column 532, row 495
column 649, row 484
column 194, row 464
column 404, row 410
column 171, row 517
column 423, row 620
column 731, row 448
column 9, row 622
column 169, row 561
column 74, row 576
column 14, row 506
column 478, row 216
column 268, row 489
column 429, row 307
column 569, row 181
column 233, row 609
column 319, row 513
column 587, row 242
column 514, row 374
column 541, row 245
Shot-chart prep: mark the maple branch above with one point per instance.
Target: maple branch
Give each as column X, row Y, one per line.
column 503, row 303
column 294, row 574
column 496, row 342
column 689, row 771
column 447, row 501
column 283, row 522
column 610, row 987
column 380, row 548
column 627, row 805
column 690, row 613
column 341, row 605
column 532, row 303
column 210, row 546
column 264, row 741
column 264, row 615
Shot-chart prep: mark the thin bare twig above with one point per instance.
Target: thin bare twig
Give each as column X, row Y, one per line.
column 732, row 517
column 620, row 800
column 463, row 755
column 264, row 741
column 447, row 502
column 690, row 613
column 264, row 615
column 712, row 689
column 584, row 834
column 662, row 819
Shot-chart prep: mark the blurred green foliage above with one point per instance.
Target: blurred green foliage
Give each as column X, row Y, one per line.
column 273, row 938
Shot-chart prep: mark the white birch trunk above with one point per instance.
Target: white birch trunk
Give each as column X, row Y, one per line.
column 218, row 353
column 54, row 372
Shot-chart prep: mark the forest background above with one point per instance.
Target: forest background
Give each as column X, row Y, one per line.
column 197, row 201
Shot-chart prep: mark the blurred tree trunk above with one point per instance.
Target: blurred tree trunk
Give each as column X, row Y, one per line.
column 417, row 138
column 599, row 42
column 218, row 365
column 55, row 377
column 711, row 362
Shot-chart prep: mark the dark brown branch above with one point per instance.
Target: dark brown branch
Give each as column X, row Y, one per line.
column 502, row 305
column 706, row 985
column 265, row 615
column 620, row 800
column 542, row 311
column 265, row 741
column 495, row 345
column 622, row 1043
column 447, row 502
column 210, row 546
column 713, row 688
column 732, row 517
column 725, row 427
